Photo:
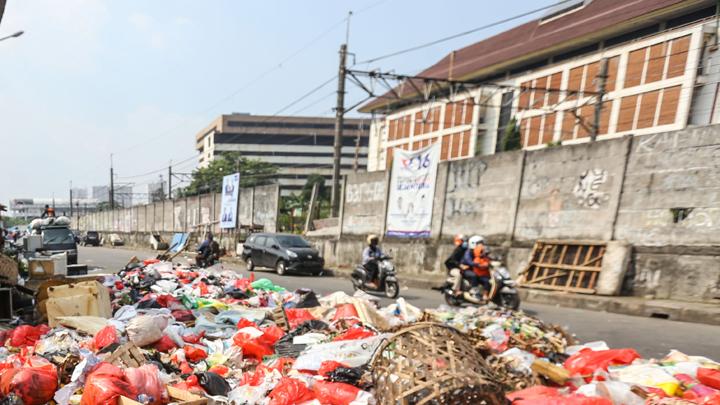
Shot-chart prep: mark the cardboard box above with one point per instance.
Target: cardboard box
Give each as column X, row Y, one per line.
column 88, row 298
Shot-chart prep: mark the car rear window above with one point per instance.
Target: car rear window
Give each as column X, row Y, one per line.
column 58, row 236
column 92, row 234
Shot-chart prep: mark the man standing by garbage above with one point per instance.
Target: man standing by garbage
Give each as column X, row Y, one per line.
column 204, row 251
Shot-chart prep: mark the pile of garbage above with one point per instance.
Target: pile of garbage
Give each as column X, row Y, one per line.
column 158, row 333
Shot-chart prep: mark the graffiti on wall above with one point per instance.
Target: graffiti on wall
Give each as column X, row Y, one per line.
column 588, row 188
column 365, row 192
column 466, row 175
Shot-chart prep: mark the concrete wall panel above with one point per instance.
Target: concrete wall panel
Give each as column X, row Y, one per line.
column 265, row 206
column 245, row 207
column 365, row 203
column 672, row 190
column 571, row 192
column 481, row 195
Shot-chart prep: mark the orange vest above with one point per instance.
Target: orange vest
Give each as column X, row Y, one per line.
column 482, row 262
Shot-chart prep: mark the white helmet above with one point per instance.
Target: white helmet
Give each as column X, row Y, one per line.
column 475, row 240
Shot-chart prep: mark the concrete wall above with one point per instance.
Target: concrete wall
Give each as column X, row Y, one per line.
column 365, row 203
column 571, row 192
column 185, row 214
column 658, row 193
column 481, row 195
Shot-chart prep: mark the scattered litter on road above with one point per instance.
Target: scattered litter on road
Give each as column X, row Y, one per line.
column 158, row 333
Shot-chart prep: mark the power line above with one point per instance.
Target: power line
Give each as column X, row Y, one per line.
column 461, row 34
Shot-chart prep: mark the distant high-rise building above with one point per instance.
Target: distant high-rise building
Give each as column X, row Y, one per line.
column 33, row 207
column 148, row 193
column 101, row 193
column 298, row 146
column 80, row 193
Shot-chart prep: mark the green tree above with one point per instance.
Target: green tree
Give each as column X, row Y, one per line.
column 252, row 173
column 511, row 136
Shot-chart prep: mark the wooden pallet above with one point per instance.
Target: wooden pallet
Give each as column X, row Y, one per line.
column 127, row 355
column 570, row 266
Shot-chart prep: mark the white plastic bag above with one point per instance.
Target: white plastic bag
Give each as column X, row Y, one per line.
column 354, row 353
column 146, row 329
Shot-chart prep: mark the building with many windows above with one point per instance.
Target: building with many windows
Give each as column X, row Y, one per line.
column 298, row 146
column 31, row 208
column 663, row 74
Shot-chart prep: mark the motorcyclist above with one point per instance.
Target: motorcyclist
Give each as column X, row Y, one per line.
column 370, row 256
column 476, row 264
column 453, row 261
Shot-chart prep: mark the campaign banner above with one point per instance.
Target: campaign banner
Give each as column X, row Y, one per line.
column 229, row 205
column 412, row 188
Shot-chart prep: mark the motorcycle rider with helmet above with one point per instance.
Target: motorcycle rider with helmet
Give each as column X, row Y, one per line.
column 453, row 261
column 476, row 264
column 370, row 256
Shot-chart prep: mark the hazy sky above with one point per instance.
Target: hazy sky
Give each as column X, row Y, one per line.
column 140, row 78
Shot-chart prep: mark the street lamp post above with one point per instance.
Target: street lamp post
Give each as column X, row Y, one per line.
column 15, row 35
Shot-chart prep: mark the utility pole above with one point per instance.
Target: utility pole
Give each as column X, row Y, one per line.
column 71, row 205
column 112, row 185
column 339, row 122
column 601, row 86
column 170, row 181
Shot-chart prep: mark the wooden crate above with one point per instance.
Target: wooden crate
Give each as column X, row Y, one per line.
column 431, row 363
column 570, row 266
column 127, row 355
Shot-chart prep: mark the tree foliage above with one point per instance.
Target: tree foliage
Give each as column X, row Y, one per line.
column 252, row 173
column 511, row 136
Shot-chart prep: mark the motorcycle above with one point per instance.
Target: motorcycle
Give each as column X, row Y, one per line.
column 386, row 279
column 503, row 291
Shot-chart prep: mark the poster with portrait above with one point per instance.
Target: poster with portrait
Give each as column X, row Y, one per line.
column 412, row 190
column 229, row 201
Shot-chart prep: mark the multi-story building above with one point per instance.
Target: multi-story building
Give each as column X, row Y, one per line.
column 30, row 208
column 148, row 193
column 123, row 194
column 81, row 193
column 298, row 146
column 663, row 73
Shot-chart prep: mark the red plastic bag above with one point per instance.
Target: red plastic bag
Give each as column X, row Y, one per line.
column 165, row 344
column 335, row 393
column 146, row 381
column 183, row 315
column 586, row 362
column 104, row 384
column 251, row 348
column 193, row 339
column 709, row 377
column 105, row 337
column 35, row 382
column 354, row 334
column 168, row 301
column 540, row 395
column 290, row 391
column 194, row 354
column 343, row 311
column 328, row 366
column 297, row 316
column 150, row 261
column 271, row 334
column 219, row 369
column 26, row 335
column 192, row 384
column 245, row 323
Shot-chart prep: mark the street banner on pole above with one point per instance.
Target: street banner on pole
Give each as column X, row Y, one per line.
column 412, row 188
column 229, row 206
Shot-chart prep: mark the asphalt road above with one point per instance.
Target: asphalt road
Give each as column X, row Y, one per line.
column 649, row 336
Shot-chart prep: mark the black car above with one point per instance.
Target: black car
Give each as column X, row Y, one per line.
column 282, row 252
column 91, row 238
column 60, row 239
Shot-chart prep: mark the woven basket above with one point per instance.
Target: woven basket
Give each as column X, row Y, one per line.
column 430, row 363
